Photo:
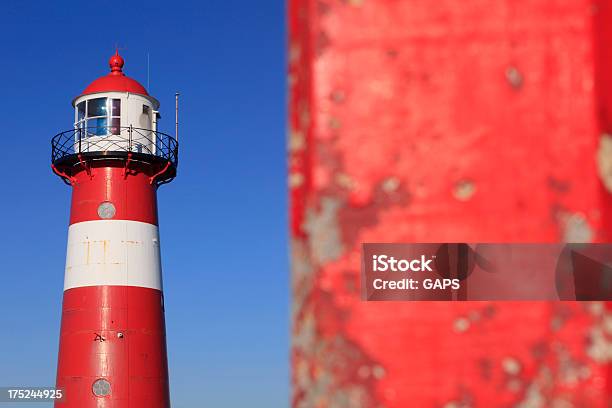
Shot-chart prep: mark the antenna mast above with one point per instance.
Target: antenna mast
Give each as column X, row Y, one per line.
column 176, row 95
column 148, row 72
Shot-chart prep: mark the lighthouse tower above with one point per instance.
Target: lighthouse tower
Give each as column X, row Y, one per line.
column 112, row 349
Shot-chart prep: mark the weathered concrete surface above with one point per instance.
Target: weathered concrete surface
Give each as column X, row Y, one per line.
column 446, row 121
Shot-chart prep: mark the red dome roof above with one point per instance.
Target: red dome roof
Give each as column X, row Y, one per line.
column 115, row 80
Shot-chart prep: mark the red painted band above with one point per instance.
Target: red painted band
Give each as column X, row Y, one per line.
column 133, row 195
column 116, row 333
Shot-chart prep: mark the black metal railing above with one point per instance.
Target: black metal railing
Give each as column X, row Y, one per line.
column 114, row 139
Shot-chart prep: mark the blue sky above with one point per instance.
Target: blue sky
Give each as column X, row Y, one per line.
column 223, row 220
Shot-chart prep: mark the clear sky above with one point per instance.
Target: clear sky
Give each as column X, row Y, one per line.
column 223, row 220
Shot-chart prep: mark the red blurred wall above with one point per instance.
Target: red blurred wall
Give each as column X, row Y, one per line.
column 447, row 120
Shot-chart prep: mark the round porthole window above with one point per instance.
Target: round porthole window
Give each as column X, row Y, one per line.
column 101, row 388
column 106, row 210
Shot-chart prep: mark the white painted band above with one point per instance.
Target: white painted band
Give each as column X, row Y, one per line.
column 113, row 252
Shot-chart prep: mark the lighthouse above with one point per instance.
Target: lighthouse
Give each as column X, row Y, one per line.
column 112, row 348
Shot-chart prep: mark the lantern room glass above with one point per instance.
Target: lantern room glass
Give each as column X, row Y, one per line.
column 99, row 116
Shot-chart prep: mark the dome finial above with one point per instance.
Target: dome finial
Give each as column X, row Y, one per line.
column 116, row 63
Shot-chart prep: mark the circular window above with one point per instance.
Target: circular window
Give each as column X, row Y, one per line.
column 101, row 388
column 106, row 210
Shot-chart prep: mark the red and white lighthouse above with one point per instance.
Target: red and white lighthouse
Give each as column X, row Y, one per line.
column 112, row 349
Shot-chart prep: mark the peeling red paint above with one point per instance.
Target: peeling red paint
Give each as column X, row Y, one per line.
column 456, row 121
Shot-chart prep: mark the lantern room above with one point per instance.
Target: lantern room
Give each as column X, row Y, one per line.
column 113, row 106
column 115, row 118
